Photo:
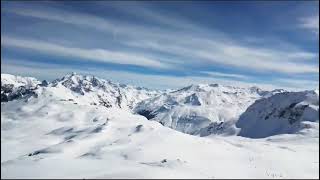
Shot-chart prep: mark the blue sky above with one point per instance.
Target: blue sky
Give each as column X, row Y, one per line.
column 165, row 44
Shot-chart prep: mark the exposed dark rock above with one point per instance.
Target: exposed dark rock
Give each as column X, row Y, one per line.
column 147, row 114
column 42, row 151
column 44, row 83
column 9, row 92
column 164, row 161
column 4, row 98
column 138, row 128
column 193, row 100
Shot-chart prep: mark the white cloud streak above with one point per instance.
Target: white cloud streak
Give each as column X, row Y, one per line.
column 311, row 23
column 228, row 75
column 99, row 55
column 154, row 16
column 220, row 49
column 258, row 59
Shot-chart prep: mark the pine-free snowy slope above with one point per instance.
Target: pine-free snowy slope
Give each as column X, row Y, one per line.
column 202, row 109
column 282, row 113
column 46, row 137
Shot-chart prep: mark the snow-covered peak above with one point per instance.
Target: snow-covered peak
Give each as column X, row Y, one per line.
column 77, row 88
column 227, row 88
column 83, row 83
column 93, row 90
column 17, row 81
column 205, row 87
column 76, row 79
column 280, row 113
column 194, row 108
column 87, row 82
column 15, row 87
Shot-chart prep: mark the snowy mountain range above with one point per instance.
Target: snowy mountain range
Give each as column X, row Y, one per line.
column 202, row 109
column 77, row 88
column 195, row 108
column 102, row 129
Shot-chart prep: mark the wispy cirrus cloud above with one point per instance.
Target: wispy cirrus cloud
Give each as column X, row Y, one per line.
column 154, row 16
column 61, row 16
column 219, row 49
column 310, row 23
column 233, row 54
column 226, row 75
column 165, row 42
column 100, row 55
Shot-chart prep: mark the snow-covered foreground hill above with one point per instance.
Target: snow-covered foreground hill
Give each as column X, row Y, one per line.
column 79, row 127
column 48, row 138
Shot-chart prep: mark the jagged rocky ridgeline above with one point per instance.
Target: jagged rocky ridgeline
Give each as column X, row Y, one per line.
column 201, row 110
column 77, row 88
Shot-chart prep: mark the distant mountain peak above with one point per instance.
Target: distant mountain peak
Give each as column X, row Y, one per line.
column 198, row 109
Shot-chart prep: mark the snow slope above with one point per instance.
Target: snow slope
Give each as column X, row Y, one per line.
column 201, row 109
column 282, row 113
column 45, row 137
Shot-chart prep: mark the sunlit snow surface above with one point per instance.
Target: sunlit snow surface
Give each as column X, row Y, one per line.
column 47, row 137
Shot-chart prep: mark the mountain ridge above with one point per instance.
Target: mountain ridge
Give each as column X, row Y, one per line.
column 200, row 110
